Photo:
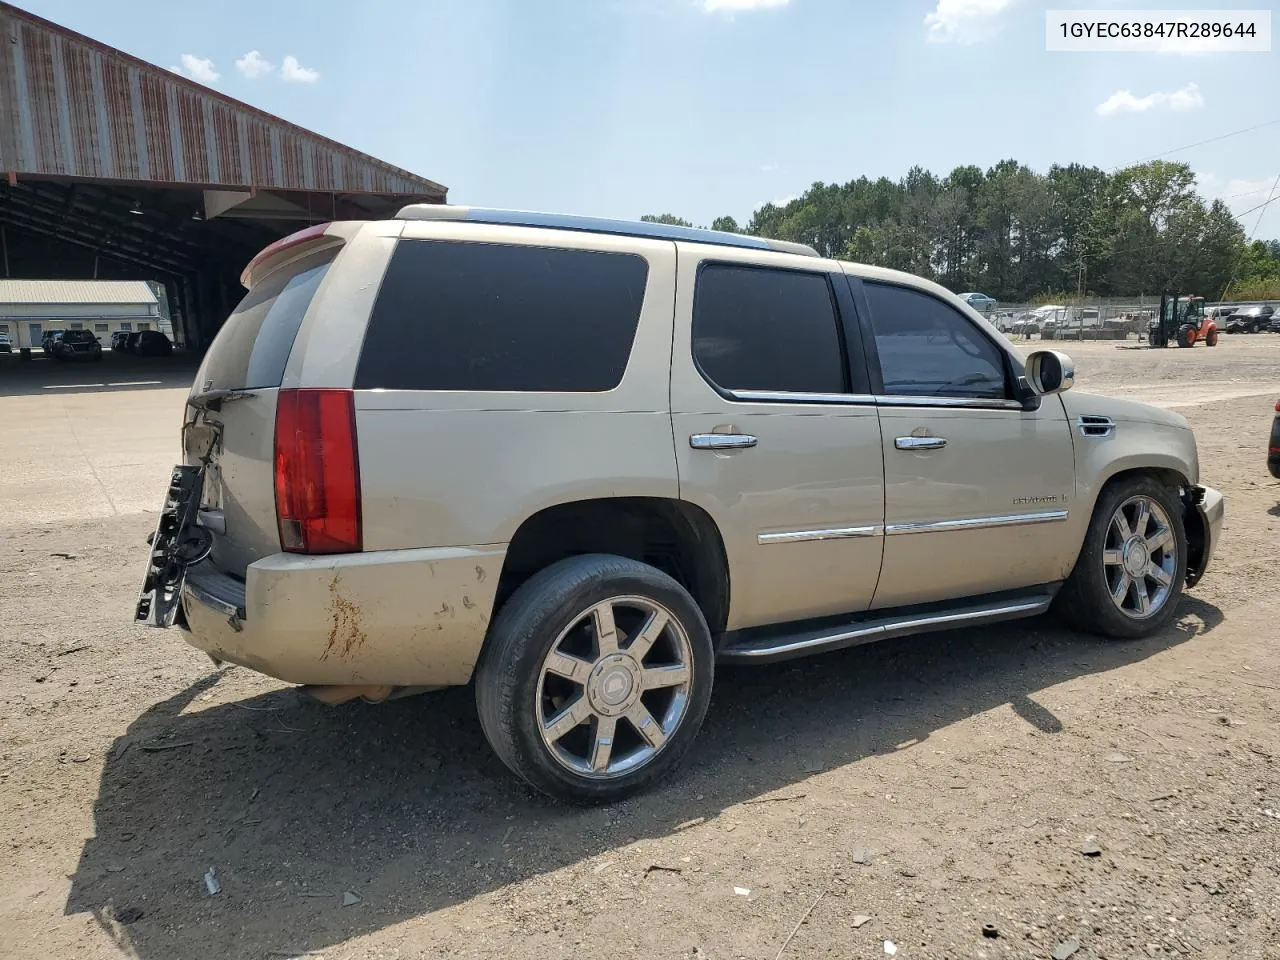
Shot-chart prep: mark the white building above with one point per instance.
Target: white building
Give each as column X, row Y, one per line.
column 31, row 308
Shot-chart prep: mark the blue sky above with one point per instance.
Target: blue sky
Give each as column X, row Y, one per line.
column 709, row 107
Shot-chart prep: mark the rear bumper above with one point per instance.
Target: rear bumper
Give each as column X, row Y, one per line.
column 1206, row 510
column 397, row 617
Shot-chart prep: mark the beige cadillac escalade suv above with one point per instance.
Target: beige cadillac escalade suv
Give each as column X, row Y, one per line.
column 577, row 463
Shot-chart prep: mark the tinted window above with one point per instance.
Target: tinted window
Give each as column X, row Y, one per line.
column 484, row 316
column 929, row 349
column 253, row 345
column 762, row 329
column 78, row 336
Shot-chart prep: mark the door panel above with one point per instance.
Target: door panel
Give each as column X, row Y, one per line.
column 980, row 514
column 976, row 487
column 801, row 508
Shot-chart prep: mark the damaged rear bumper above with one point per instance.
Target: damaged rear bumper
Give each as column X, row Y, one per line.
column 395, row 617
column 1205, row 512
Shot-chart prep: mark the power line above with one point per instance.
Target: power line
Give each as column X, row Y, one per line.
column 1201, row 143
column 1261, row 208
column 1271, row 198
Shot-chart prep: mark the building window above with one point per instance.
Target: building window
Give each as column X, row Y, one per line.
column 144, row 326
column 75, row 326
column 126, row 327
column 99, row 328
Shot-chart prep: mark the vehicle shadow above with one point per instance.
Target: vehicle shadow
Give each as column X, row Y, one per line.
column 294, row 804
column 43, row 375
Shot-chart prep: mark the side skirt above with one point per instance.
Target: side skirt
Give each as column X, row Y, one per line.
column 788, row 640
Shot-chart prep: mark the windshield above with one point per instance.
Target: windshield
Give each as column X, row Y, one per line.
column 78, row 336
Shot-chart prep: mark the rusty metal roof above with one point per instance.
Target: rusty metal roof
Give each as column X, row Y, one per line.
column 88, row 111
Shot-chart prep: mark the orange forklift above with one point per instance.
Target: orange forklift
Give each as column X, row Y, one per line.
column 1182, row 321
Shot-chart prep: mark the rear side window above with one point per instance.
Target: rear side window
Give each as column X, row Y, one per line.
column 756, row 328
column 252, row 348
column 495, row 317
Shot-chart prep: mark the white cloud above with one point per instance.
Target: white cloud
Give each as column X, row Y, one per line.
column 197, row 68
column 965, row 21
column 254, row 65
column 712, row 6
column 1179, row 101
column 294, row 72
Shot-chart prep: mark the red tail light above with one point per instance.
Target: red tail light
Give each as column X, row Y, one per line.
column 317, row 472
column 1278, row 406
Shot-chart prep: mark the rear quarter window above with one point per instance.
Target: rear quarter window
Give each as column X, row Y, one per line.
column 253, row 346
column 495, row 317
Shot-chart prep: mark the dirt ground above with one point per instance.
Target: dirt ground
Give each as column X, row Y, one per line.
column 914, row 791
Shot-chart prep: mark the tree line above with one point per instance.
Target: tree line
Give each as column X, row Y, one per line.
column 1018, row 235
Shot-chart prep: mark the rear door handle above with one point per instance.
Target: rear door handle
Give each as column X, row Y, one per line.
column 919, row 443
column 721, row 441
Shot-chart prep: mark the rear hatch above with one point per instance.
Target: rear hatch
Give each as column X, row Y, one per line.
column 230, row 415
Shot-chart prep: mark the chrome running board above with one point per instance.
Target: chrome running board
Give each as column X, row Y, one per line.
column 785, row 641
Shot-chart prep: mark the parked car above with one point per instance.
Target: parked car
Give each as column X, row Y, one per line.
column 118, row 339
column 979, row 301
column 151, row 343
column 1249, row 319
column 131, row 341
column 50, row 338
column 1274, row 325
column 6, row 345
column 1273, row 448
column 820, row 495
column 77, row 345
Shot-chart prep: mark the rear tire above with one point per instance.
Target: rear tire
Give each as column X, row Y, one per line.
column 1211, row 339
column 565, row 699
column 1115, row 577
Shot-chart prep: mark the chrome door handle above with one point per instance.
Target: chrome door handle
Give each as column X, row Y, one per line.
column 919, row 443
column 721, row 441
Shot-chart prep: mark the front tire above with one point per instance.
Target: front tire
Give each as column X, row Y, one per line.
column 1186, row 336
column 1133, row 564
column 595, row 678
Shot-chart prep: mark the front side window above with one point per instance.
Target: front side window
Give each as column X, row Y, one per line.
column 929, row 349
column 756, row 328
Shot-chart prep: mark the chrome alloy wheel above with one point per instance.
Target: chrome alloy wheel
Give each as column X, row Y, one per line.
column 1140, row 557
column 614, row 687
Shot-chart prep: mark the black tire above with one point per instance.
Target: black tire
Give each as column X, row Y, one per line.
column 508, row 676
column 1211, row 338
column 1085, row 599
column 1186, row 336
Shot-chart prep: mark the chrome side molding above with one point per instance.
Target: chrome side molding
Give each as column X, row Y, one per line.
column 977, row 523
column 833, row 533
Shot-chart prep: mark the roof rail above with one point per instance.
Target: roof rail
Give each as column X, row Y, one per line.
column 626, row 228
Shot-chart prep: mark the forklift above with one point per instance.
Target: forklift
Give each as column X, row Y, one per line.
column 1181, row 320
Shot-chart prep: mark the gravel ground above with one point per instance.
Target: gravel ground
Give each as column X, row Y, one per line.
column 1123, row 798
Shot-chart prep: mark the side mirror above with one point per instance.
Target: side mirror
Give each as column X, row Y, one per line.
column 1049, row 371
